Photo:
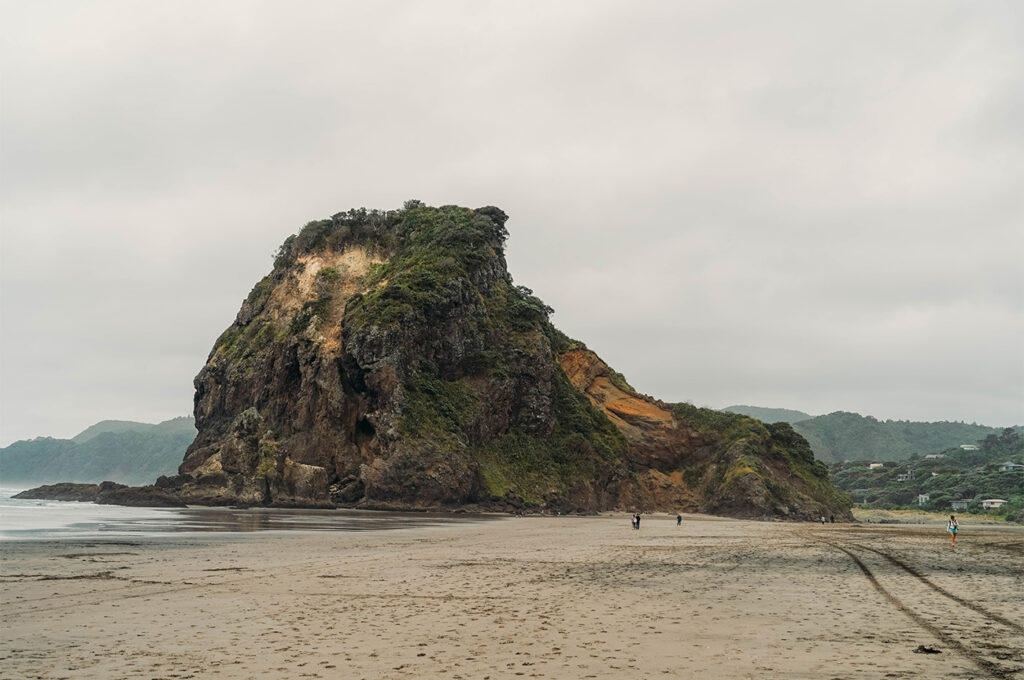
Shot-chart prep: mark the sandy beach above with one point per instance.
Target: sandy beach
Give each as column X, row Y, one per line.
column 534, row 598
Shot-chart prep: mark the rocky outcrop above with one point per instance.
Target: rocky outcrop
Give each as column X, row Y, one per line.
column 388, row 361
column 380, row 364
column 64, row 491
column 703, row 460
column 105, row 493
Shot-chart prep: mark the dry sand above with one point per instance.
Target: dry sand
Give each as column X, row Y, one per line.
column 533, row 598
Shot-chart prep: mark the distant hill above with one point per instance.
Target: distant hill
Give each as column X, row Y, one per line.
column 118, row 426
column 851, row 436
column 842, row 435
column 770, row 415
column 116, row 450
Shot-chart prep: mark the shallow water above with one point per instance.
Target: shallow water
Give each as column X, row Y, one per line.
column 38, row 519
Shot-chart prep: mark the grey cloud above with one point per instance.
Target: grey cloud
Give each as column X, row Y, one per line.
column 802, row 204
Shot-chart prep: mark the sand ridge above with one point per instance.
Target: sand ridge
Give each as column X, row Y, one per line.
column 533, row 597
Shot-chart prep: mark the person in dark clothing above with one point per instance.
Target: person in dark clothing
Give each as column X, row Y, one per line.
column 679, row 520
column 637, row 521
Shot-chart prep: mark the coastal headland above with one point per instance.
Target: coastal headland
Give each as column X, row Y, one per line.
column 536, row 597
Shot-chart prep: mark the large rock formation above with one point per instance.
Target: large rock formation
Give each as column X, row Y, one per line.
column 389, row 361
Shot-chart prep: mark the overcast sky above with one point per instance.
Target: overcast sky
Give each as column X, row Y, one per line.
column 813, row 205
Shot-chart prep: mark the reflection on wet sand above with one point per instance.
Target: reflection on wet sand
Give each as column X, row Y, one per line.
column 36, row 520
column 278, row 519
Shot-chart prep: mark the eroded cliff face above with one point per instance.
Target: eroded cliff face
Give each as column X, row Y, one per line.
column 702, row 460
column 389, row 361
column 274, row 410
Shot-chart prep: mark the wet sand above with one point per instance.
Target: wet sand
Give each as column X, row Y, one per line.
column 531, row 598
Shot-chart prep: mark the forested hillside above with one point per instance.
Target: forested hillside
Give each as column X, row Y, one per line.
column 850, row 436
column 119, row 451
column 770, row 415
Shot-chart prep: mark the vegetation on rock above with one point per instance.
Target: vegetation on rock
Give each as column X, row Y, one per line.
column 770, row 456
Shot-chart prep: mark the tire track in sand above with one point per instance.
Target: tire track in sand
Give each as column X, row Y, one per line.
column 991, row 668
column 939, row 589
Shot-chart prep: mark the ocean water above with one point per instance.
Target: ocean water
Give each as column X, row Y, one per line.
column 36, row 519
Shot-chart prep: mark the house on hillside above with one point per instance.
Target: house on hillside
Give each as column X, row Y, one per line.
column 923, row 499
column 960, row 504
column 905, row 476
column 934, row 456
column 969, row 447
column 1010, row 466
column 993, row 503
column 876, row 466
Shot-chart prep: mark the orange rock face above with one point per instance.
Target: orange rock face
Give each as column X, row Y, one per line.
column 658, row 444
column 676, row 466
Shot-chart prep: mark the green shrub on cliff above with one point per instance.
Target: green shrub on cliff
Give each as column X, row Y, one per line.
column 582, row 441
column 732, row 425
column 435, row 250
column 436, row 408
column 434, row 269
column 771, row 454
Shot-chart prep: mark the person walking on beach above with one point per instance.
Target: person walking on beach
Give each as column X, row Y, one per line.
column 679, row 520
column 637, row 516
column 953, row 529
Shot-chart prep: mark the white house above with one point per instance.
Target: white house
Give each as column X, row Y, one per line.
column 961, row 504
column 969, row 447
column 1010, row 466
column 876, row 466
column 934, row 456
column 905, row 476
column 923, row 499
column 993, row 503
